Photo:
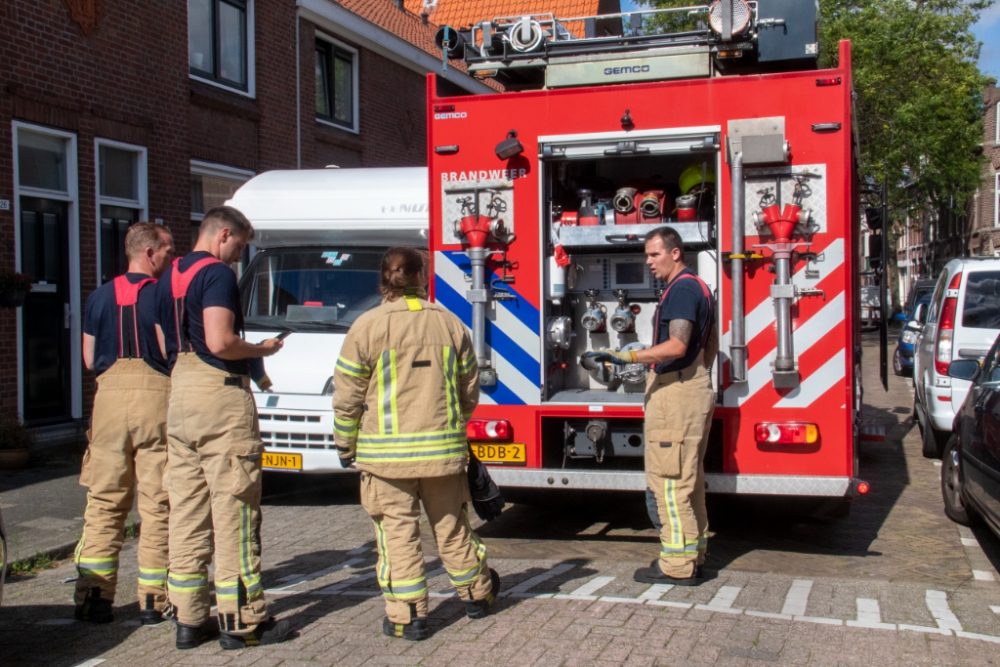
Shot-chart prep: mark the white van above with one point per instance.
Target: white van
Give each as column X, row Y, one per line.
column 321, row 235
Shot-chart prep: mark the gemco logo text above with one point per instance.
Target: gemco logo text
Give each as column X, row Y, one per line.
column 450, row 114
column 629, row 69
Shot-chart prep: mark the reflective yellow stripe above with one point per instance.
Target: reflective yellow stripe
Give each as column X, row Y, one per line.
column 673, row 517
column 413, row 303
column 383, row 556
column 467, row 366
column 386, row 371
column 345, row 426
column 450, row 388
column 352, row 368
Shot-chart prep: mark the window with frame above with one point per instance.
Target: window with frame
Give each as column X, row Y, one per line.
column 212, row 185
column 121, row 201
column 335, row 83
column 217, row 41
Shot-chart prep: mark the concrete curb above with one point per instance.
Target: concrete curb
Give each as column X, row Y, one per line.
column 59, row 552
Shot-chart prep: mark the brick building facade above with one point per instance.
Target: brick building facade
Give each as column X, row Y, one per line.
column 119, row 110
column 985, row 218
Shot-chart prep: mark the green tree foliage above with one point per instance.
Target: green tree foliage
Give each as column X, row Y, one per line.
column 919, row 93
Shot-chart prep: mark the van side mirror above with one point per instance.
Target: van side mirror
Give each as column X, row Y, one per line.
column 920, row 315
column 964, row 369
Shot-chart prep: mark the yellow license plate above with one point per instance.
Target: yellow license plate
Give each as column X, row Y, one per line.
column 510, row 453
column 276, row 461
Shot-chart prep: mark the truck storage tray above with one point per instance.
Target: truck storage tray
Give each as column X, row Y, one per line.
column 692, row 233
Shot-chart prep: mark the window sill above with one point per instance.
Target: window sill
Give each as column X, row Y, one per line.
column 352, row 130
column 222, row 86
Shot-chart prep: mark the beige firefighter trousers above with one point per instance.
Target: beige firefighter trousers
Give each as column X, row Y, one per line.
column 394, row 506
column 214, row 475
column 128, row 449
column 679, row 407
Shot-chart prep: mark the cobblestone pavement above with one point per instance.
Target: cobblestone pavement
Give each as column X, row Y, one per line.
column 894, row 583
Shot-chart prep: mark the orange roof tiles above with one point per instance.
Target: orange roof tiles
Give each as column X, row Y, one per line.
column 463, row 13
column 407, row 25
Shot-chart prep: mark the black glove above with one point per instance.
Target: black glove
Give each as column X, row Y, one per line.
column 608, row 356
column 486, row 498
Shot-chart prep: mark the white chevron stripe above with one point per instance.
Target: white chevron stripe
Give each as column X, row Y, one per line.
column 816, row 384
column 804, row 338
column 513, row 377
column 524, row 337
column 762, row 316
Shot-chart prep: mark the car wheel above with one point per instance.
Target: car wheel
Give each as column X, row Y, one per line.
column 951, row 487
column 897, row 364
column 933, row 442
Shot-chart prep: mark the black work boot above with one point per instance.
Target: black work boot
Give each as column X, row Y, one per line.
column 481, row 608
column 654, row 575
column 193, row 636
column 270, row 631
column 149, row 614
column 414, row 631
column 94, row 609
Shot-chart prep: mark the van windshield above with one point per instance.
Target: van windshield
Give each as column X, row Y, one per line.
column 310, row 289
column 982, row 300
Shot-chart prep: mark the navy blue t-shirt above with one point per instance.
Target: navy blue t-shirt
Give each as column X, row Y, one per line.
column 100, row 320
column 214, row 286
column 685, row 300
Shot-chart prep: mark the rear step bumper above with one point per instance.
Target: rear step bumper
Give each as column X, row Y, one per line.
column 775, row 485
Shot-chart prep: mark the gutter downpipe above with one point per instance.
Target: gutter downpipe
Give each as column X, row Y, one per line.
column 737, row 343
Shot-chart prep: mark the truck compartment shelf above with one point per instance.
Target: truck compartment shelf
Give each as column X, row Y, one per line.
column 596, row 397
column 692, row 233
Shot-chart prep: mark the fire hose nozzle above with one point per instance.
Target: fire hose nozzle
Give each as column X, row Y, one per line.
column 624, row 200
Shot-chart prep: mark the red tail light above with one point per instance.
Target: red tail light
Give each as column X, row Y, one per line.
column 863, row 488
column 496, row 430
column 946, row 327
column 786, row 433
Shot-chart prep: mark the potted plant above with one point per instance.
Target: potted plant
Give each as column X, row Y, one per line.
column 15, row 442
column 14, row 288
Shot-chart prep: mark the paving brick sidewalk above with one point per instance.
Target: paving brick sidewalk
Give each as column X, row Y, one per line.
column 891, row 584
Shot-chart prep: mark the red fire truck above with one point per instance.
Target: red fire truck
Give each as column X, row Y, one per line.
column 713, row 120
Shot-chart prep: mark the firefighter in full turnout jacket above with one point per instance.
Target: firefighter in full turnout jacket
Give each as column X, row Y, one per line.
column 405, row 384
column 679, row 405
column 214, row 443
column 128, row 434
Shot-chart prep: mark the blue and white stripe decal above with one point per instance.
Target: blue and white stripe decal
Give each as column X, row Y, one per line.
column 511, row 332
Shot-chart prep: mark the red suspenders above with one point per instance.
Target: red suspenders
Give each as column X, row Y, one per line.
column 179, row 283
column 126, row 296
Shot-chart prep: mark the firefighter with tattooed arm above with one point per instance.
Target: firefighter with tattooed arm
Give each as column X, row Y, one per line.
column 679, row 404
column 405, row 385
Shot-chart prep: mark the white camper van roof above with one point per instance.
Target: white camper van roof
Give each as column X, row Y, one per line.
column 344, row 206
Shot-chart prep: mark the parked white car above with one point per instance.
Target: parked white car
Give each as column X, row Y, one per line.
column 962, row 322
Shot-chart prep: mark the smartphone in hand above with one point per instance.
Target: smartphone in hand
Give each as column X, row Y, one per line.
column 283, row 335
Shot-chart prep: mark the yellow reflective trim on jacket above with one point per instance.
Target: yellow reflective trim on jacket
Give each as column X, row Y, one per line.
column 466, row 366
column 387, row 382
column 451, row 386
column 347, row 427
column 413, row 303
column 355, row 369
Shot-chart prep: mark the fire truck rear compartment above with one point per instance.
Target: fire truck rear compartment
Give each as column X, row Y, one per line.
column 602, row 195
column 600, row 443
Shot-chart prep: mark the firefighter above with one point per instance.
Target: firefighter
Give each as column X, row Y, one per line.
column 128, row 440
column 215, row 450
column 679, row 403
column 405, row 384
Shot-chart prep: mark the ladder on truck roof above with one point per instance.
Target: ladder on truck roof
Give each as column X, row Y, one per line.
column 727, row 37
